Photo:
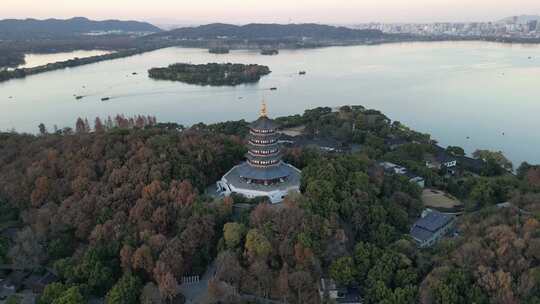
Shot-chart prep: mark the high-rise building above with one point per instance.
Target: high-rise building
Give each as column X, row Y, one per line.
column 533, row 24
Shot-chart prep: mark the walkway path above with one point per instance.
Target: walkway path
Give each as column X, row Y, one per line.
column 195, row 293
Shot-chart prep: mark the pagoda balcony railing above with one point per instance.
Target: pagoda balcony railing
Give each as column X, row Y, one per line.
column 272, row 153
column 263, row 142
column 263, row 132
column 264, row 164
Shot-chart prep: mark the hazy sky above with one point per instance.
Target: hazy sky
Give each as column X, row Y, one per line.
column 243, row 11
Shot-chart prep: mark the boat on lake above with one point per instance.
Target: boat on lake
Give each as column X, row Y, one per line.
column 273, row 89
column 302, row 73
column 105, row 98
column 78, row 97
column 269, row 52
column 219, row 50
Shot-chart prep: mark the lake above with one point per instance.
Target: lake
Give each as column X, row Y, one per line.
column 470, row 94
column 34, row 60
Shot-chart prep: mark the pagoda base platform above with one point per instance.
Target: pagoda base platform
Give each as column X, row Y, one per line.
column 235, row 181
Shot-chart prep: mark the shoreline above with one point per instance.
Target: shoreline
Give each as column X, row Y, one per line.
column 7, row 74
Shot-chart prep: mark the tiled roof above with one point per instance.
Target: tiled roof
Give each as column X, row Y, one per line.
column 349, row 296
column 443, row 156
column 271, row 173
column 472, row 163
column 263, row 123
column 420, row 233
column 433, row 221
column 236, row 176
column 425, row 227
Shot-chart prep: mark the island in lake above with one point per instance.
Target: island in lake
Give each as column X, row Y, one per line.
column 213, row 74
column 219, row 50
column 269, row 52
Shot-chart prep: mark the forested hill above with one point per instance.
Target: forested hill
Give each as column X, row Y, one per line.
column 12, row 28
column 272, row 31
column 119, row 212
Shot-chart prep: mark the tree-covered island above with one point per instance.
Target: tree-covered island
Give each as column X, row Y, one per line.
column 213, row 74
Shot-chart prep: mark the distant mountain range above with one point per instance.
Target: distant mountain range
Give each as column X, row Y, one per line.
column 270, row 31
column 30, row 28
column 521, row 18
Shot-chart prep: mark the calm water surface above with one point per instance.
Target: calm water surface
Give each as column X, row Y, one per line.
column 453, row 90
column 34, row 60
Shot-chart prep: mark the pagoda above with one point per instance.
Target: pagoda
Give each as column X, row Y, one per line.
column 263, row 174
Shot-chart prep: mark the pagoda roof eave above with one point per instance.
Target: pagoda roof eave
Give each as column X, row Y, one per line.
column 271, row 157
column 270, row 173
column 263, row 123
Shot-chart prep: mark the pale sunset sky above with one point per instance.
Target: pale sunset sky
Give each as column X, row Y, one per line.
column 283, row 11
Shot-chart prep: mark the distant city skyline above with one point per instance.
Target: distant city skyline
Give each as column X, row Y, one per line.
column 279, row 11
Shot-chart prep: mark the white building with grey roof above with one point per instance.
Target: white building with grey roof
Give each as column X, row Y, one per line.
column 431, row 227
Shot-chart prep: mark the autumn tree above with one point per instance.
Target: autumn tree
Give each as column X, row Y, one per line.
column 150, row 294
column 257, row 246
column 99, row 127
column 229, row 269
column 301, row 284
column 168, row 286
column 533, row 177
column 126, row 257
column 283, row 282
column 41, row 191
column 142, row 259
column 233, row 233
column 82, row 126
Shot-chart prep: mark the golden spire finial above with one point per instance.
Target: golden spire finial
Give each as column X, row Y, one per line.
column 264, row 111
